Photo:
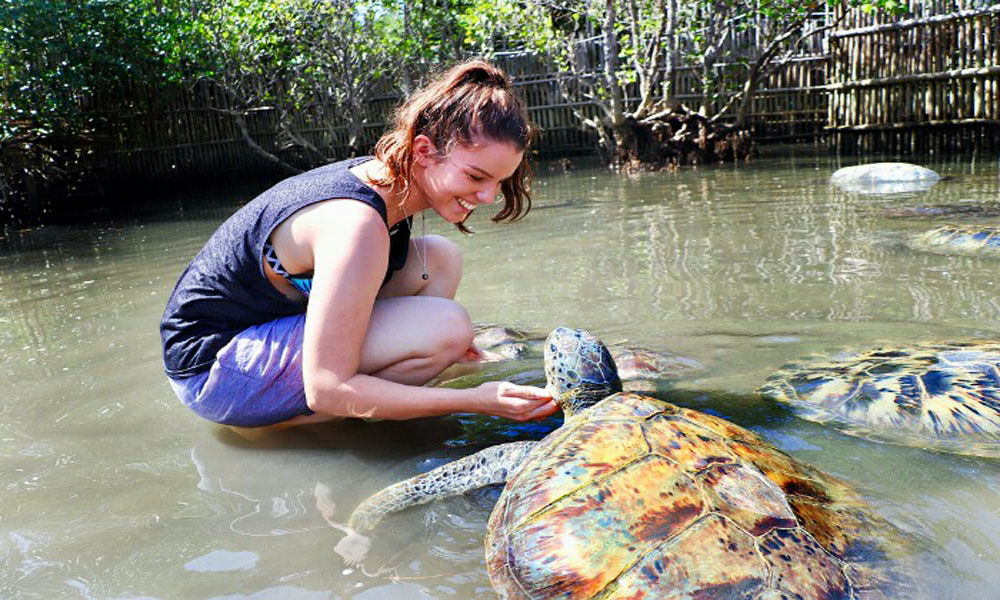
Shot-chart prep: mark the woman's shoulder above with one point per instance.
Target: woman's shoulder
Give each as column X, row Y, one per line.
column 326, row 180
column 329, row 182
column 340, row 217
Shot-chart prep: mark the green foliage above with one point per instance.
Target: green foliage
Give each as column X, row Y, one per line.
column 893, row 7
column 556, row 27
column 297, row 55
column 55, row 53
column 422, row 32
column 490, row 25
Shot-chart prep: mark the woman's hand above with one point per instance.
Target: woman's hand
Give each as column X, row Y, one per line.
column 517, row 402
column 474, row 354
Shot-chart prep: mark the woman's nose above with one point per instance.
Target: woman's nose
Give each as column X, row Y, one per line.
column 488, row 194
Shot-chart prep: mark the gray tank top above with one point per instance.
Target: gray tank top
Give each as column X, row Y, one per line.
column 225, row 290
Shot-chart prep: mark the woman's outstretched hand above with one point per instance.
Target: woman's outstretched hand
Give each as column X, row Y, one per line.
column 517, row 402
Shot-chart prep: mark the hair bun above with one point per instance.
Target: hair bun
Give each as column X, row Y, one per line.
column 483, row 73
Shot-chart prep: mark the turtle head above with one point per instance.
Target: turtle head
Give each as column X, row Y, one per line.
column 579, row 369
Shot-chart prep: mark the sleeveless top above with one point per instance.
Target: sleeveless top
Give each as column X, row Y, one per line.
column 225, row 290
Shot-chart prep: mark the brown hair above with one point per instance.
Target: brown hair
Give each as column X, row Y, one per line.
column 470, row 100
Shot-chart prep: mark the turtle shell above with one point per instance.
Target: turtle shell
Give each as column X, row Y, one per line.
column 938, row 211
column 944, row 396
column 960, row 239
column 636, row 498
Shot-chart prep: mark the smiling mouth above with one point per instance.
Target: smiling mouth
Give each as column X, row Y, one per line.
column 467, row 206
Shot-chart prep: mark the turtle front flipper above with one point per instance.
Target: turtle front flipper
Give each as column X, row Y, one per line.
column 488, row 466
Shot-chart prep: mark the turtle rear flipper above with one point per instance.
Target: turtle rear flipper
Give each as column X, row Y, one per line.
column 486, row 467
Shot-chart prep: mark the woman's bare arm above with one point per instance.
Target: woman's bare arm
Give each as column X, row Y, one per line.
column 350, row 248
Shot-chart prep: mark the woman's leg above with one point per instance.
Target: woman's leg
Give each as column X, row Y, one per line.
column 416, row 330
column 258, row 376
column 443, row 261
column 411, row 340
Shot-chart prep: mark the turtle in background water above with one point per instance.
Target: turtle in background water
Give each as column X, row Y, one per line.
column 938, row 211
column 941, row 396
column 983, row 240
column 633, row 497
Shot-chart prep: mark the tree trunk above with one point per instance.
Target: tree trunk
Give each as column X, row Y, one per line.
column 611, row 65
column 678, row 137
column 671, row 51
column 241, row 124
column 403, row 70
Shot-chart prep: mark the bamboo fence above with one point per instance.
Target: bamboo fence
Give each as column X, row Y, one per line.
column 927, row 83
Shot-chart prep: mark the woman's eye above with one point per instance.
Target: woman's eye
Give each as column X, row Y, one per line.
column 474, row 177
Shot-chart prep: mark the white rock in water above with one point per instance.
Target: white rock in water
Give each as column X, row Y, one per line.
column 884, row 178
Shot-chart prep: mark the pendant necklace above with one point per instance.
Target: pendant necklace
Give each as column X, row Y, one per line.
column 423, row 236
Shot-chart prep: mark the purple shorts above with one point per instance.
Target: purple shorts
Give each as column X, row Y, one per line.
column 256, row 378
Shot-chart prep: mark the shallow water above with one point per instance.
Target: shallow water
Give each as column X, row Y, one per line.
column 113, row 490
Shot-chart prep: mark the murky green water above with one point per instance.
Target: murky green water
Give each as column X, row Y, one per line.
column 111, row 489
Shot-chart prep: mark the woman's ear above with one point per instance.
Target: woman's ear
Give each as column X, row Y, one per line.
column 424, row 151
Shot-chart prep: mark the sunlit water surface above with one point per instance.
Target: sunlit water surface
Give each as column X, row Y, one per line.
column 112, row 489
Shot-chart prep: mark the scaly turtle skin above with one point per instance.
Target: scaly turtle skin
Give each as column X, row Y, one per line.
column 636, row 498
column 981, row 240
column 943, row 396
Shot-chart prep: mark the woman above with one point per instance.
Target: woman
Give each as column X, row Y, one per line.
column 308, row 304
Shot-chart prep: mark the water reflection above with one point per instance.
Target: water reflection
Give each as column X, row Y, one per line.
column 223, row 560
column 739, row 268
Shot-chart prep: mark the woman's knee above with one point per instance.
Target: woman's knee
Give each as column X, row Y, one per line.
column 444, row 258
column 426, row 327
column 453, row 328
column 442, row 251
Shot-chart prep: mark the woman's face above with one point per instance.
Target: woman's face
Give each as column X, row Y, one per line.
column 468, row 176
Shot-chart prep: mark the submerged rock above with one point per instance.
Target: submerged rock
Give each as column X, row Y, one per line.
column 884, row 178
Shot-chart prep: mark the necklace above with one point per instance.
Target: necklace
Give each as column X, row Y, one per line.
column 423, row 237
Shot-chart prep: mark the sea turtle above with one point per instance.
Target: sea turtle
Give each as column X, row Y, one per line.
column 502, row 342
column 934, row 395
column 939, row 211
column 884, row 178
column 983, row 240
column 633, row 497
column 638, row 367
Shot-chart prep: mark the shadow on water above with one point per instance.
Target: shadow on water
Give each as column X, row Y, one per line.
column 407, row 437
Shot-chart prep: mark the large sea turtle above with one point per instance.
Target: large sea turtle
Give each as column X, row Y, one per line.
column 943, row 396
column 636, row 498
column 982, row 240
column 884, row 178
